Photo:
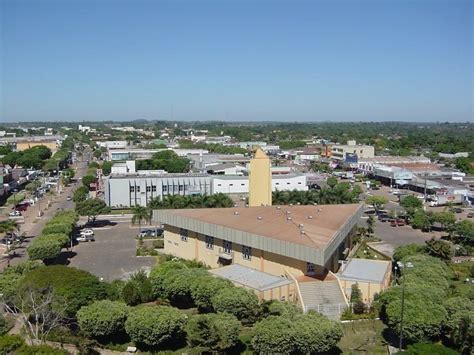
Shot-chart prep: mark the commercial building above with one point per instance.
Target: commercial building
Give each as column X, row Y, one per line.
column 229, row 184
column 302, row 245
column 342, row 151
column 127, row 190
column 112, row 144
column 136, row 154
column 123, row 179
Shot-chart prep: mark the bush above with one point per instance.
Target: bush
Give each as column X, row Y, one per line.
column 314, row 333
column 160, row 273
column 75, row 287
column 432, row 349
column 45, row 248
column 274, row 333
column 205, row 287
column 137, row 290
column 237, row 301
column 54, row 228
column 177, row 285
column 10, row 278
column 152, row 326
column 103, row 318
column 41, row 350
column 9, row 343
column 213, row 331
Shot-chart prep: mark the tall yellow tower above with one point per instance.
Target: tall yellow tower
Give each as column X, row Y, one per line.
column 260, row 180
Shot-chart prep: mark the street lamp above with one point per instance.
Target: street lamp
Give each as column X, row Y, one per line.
column 402, row 266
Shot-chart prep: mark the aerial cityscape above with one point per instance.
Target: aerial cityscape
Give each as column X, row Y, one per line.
column 241, row 177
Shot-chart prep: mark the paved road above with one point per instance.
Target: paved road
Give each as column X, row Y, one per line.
column 34, row 225
column 112, row 255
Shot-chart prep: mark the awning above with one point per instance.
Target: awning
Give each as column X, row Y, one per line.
column 225, row 256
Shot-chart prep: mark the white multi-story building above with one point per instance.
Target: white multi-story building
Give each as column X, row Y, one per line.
column 240, row 184
column 112, row 144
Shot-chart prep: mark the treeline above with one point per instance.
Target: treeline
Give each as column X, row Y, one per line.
column 164, row 160
column 116, row 312
column 212, row 147
column 339, row 193
column 433, row 310
column 29, row 158
column 191, row 201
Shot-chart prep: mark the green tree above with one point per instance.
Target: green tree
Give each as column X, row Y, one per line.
column 314, row 333
column 237, row 301
column 446, row 219
column 45, row 248
column 464, row 231
column 464, row 164
column 216, row 332
column 205, row 287
column 404, row 251
column 80, row 194
column 377, row 201
column 11, row 277
column 10, row 343
column 107, row 168
column 87, row 180
column 103, row 318
column 54, row 228
column 153, row 326
column 439, row 248
column 370, row 226
column 274, row 333
column 138, row 289
column 92, row 208
column 73, row 288
column 177, row 285
column 411, row 204
column 140, row 213
column 160, row 273
column 358, row 305
column 460, row 312
column 331, row 181
column 422, row 220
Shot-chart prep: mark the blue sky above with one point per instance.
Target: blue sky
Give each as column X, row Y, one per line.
column 236, row 60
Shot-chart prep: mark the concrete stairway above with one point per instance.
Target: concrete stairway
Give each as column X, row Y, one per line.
column 325, row 297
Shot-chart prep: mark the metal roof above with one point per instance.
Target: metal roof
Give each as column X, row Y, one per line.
column 365, row 270
column 249, row 277
column 310, row 233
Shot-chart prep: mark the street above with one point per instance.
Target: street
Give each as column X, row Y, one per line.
column 34, row 225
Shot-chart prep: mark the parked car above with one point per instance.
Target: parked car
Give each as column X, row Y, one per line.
column 21, row 207
column 87, row 232
column 85, row 238
column 69, row 198
column 470, row 215
column 397, row 222
column 147, row 233
column 385, row 218
column 15, row 213
column 456, row 210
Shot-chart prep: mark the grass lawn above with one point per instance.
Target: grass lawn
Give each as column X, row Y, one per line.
column 363, row 337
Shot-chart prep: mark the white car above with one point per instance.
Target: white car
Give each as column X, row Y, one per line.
column 15, row 213
column 87, row 232
column 85, row 238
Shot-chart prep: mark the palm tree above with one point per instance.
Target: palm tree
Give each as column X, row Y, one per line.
column 140, row 214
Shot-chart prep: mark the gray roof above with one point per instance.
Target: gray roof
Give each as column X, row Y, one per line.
column 365, row 270
column 249, row 277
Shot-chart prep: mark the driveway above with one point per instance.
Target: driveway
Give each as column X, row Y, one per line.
column 112, row 255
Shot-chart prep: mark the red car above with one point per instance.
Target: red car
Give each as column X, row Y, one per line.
column 397, row 222
column 21, row 207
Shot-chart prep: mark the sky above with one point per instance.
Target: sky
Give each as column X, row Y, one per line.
column 236, row 60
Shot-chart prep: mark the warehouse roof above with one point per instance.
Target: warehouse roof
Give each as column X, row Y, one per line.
column 312, row 226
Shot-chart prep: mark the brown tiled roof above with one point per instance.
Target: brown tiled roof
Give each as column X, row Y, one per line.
column 319, row 223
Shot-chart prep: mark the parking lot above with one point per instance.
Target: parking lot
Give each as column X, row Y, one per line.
column 112, row 255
